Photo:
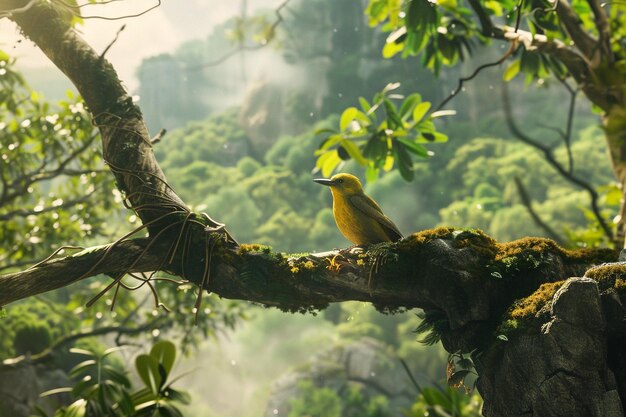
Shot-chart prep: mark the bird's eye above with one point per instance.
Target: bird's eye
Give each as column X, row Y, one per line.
column 340, row 181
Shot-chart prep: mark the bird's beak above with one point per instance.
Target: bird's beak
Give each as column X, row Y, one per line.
column 324, row 181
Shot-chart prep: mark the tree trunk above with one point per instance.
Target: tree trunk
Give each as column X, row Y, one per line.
column 615, row 130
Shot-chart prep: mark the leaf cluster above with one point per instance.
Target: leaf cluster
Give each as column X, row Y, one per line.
column 51, row 169
column 104, row 389
column 381, row 145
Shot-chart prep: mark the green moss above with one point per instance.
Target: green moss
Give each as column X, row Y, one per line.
column 537, row 245
column 254, row 247
column 530, row 312
column 461, row 238
column 426, row 236
column 530, row 252
column 534, row 303
column 608, row 276
column 533, row 311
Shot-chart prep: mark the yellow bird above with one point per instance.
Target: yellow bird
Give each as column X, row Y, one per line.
column 358, row 217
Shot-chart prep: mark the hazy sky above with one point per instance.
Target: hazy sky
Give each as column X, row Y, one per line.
column 159, row 30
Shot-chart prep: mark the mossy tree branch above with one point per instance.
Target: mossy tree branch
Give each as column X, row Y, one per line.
column 125, row 140
column 465, row 275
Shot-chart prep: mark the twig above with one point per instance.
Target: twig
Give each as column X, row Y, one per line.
column 124, row 17
column 411, row 377
column 548, row 155
column 477, row 71
column 567, row 137
column 518, row 18
column 64, row 341
column 117, row 34
column 523, row 193
column 241, row 48
column 157, row 138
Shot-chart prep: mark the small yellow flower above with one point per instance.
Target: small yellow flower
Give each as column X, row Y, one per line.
column 360, row 262
column 295, row 269
column 308, row 265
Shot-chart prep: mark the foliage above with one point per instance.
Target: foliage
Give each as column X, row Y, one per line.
column 381, row 145
column 489, row 199
column 103, row 389
column 36, row 324
column 51, row 170
column 443, row 402
column 316, row 401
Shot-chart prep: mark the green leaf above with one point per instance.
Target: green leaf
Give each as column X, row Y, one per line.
column 529, row 62
column 405, row 163
column 180, row 396
column 440, row 137
column 371, row 173
column 82, row 367
column 375, row 148
column 148, row 369
column 144, row 405
column 329, row 142
column 76, row 409
column 82, row 352
column 322, row 159
column 343, row 154
column 392, row 114
column 354, row 152
column 414, row 147
column 457, row 378
column 420, row 111
column 365, row 105
column 55, row 391
column 165, row 353
column 465, row 363
column 347, row 116
column 330, row 163
column 442, row 113
column 409, row 104
column 511, row 71
column 324, row 130
column 391, row 48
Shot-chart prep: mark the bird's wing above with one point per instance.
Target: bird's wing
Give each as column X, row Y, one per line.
column 371, row 209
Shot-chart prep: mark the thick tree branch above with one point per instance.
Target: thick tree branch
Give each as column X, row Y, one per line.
column 31, row 211
column 467, row 276
column 574, row 27
column 126, row 142
column 485, row 21
column 59, row 273
column 464, row 275
column 604, row 29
